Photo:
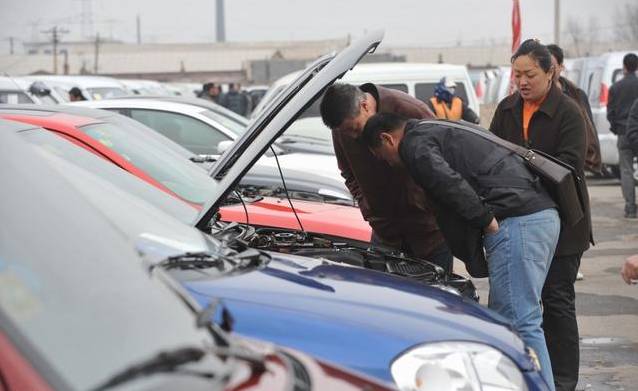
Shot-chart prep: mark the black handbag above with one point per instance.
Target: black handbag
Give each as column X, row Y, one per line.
column 561, row 180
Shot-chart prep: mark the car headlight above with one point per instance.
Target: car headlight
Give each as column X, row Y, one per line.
column 456, row 366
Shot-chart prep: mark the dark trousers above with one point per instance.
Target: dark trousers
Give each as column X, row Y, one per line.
column 559, row 320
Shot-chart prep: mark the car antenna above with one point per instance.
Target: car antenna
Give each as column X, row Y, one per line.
column 281, row 175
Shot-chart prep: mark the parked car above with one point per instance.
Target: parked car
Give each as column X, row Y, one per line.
column 206, row 128
column 382, row 325
column 17, row 90
column 92, row 87
column 79, row 311
column 146, row 155
column 263, row 179
column 415, row 79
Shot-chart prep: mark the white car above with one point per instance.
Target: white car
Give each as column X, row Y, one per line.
column 17, row 90
column 202, row 131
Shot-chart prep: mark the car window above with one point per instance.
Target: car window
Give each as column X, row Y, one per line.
column 594, row 88
column 400, row 87
column 229, row 124
column 13, row 97
column 47, row 100
column 190, row 133
column 424, row 91
column 105, row 92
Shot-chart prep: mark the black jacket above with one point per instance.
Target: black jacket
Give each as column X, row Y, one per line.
column 631, row 132
column 239, row 102
column 621, row 96
column 469, row 179
column 558, row 129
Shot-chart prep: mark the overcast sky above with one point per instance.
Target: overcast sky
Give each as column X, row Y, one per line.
column 406, row 22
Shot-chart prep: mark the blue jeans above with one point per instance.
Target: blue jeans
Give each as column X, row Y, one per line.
column 518, row 257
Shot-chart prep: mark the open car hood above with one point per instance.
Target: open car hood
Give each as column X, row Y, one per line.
column 279, row 114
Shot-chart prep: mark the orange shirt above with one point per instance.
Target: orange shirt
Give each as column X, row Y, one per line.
column 529, row 109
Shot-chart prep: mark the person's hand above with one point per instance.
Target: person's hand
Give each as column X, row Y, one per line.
column 492, row 227
column 629, row 270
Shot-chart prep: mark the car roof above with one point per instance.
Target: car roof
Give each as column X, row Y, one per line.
column 44, row 110
column 82, row 81
column 149, row 103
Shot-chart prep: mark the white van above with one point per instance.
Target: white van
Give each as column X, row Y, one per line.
column 598, row 76
column 415, row 79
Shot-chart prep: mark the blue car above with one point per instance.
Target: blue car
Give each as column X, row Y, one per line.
column 402, row 331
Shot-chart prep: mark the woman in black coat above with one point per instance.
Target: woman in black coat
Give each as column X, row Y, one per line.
column 541, row 117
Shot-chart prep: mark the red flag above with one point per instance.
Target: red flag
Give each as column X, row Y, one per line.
column 516, row 36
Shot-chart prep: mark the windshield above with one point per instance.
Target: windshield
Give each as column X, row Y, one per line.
column 67, row 150
column 14, row 97
column 162, row 164
column 98, row 93
column 227, row 122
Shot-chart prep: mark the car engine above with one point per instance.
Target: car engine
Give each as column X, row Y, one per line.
column 346, row 251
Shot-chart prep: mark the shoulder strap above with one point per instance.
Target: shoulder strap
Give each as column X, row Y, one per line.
column 523, row 152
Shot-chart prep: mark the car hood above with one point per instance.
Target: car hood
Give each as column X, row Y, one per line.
column 278, row 115
column 297, row 302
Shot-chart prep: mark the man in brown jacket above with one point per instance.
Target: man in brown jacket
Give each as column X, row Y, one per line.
column 390, row 201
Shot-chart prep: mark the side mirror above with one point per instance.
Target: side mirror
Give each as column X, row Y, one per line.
column 223, row 146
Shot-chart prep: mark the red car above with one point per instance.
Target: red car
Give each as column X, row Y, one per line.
column 149, row 157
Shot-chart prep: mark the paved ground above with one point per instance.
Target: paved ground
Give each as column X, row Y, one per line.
column 607, row 308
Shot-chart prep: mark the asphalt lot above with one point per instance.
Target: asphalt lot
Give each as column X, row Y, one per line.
column 607, row 308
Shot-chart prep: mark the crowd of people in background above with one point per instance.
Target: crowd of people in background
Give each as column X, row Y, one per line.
column 234, row 99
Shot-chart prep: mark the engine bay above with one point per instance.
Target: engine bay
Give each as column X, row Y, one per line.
column 346, row 251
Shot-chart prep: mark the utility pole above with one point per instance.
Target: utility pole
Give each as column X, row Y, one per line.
column 55, row 39
column 97, row 53
column 557, row 22
column 139, row 30
column 220, row 23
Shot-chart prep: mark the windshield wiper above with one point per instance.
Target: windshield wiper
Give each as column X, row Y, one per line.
column 164, row 362
column 194, row 260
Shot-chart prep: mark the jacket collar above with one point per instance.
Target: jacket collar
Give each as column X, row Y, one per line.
column 549, row 105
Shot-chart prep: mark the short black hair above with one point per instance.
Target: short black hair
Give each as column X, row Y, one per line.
column 557, row 52
column 76, row 92
column 380, row 123
column 340, row 102
column 536, row 50
column 630, row 62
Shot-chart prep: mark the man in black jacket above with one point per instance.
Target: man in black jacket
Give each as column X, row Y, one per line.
column 622, row 95
column 483, row 184
column 631, row 133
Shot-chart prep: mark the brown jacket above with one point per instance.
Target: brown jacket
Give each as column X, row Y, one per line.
column 558, row 129
column 593, row 160
column 389, row 200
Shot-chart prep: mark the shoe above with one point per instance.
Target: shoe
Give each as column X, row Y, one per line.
column 630, row 215
column 579, row 276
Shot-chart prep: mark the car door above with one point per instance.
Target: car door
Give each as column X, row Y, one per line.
column 192, row 134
